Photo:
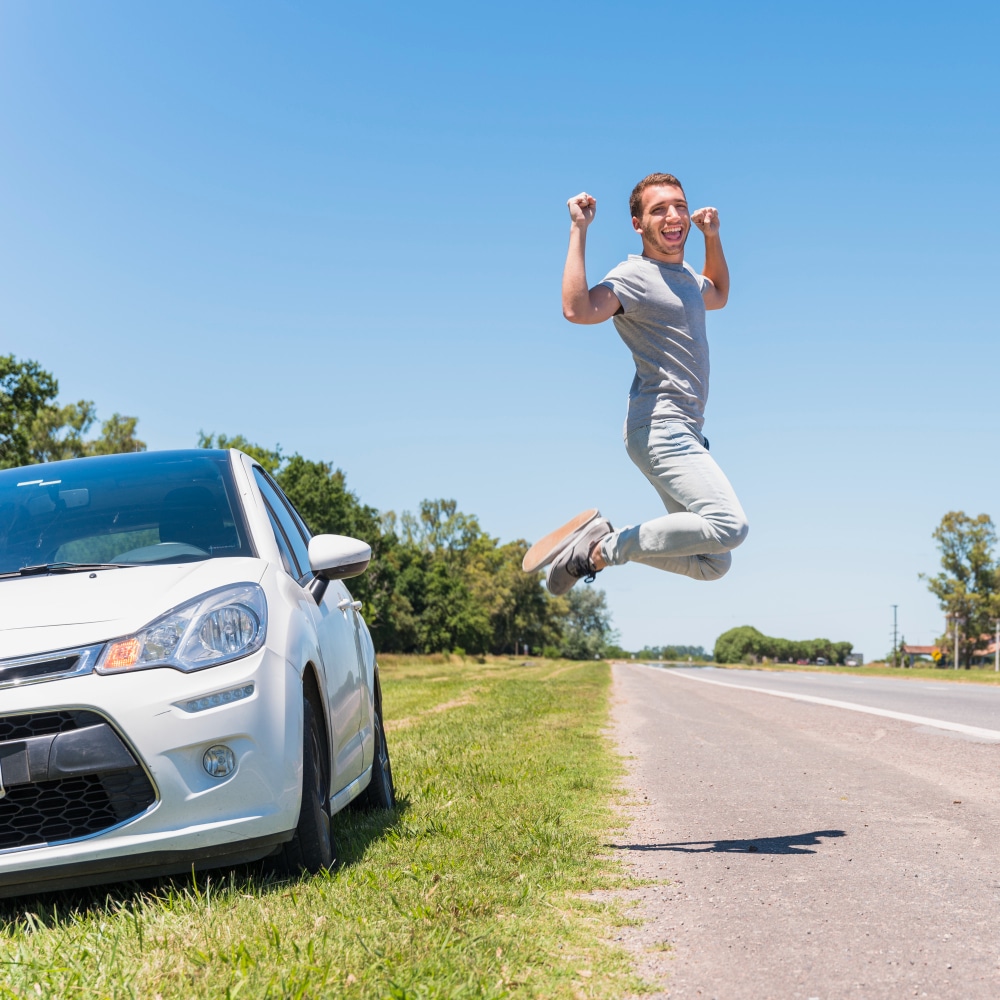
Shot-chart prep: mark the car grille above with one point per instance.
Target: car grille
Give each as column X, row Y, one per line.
column 48, row 666
column 66, row 808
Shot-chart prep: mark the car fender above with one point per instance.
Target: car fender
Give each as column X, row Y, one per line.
column 369, row 668
column 292, row 636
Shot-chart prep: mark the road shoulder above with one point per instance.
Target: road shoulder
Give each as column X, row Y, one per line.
column 794, row 851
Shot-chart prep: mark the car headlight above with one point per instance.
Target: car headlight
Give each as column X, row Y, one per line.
column 214, row 628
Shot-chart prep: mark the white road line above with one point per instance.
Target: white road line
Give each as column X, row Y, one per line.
column 919, row 720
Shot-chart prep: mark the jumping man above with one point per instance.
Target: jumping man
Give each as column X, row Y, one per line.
column 658, row 303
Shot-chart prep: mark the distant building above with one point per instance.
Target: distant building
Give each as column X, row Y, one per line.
column 908, row 650
column 913, row 652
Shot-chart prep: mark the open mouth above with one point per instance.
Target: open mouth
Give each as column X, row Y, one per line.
column 673, row 234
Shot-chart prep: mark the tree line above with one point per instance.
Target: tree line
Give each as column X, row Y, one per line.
column 746, row 644
column 673, row 654
column 437, row 581
column 968, row 592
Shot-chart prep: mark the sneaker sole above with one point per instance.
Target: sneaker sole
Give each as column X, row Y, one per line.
column 545, row 550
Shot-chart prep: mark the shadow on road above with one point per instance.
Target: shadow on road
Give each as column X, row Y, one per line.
column 794, row 844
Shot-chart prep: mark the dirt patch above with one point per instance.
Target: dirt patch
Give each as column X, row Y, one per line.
column 564, row 670
column 445, row 706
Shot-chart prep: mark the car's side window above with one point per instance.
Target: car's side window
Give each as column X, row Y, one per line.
column 292, row 531
column 296, row 516
column 287, row 559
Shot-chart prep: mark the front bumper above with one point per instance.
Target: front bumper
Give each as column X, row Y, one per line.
column 194, row 820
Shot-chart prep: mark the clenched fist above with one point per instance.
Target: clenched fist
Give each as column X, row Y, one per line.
column 707, row 220
column 581, row 209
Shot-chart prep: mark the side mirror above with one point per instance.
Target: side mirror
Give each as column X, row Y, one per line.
column 337, row 557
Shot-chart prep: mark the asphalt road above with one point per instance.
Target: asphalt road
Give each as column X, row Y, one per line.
column 969, row 704
column 799, row 851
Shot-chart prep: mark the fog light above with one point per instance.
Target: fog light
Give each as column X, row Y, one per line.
column 219, row 761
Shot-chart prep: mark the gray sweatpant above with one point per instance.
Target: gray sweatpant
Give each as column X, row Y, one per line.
column 704, row 520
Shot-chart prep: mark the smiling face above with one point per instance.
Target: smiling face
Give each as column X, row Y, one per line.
column 665, row 223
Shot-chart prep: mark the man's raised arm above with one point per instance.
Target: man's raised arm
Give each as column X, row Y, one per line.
column 716, row 269
column 580, row 303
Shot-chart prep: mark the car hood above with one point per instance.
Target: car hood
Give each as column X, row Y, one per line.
column 42, row 613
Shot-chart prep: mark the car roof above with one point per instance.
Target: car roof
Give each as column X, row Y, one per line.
column 130, row 459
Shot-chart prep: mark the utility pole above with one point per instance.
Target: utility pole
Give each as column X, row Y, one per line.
column 996, row 648
column 958, row 621
column 895, row 638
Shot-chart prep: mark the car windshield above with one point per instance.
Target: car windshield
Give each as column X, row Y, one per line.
column 149, row 507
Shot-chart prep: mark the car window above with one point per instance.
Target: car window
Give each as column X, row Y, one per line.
column 298, row 517
column 287, row 559
column 147, row 507
column 290, row 526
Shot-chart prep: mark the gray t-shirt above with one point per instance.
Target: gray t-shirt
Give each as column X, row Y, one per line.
column 663, row 325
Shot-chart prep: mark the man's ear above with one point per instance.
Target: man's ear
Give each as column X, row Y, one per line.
column 636, row 224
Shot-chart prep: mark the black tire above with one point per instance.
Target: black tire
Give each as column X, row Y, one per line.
column 380, row 793
column 312, row 849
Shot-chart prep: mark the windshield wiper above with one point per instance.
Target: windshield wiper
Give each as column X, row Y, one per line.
column 43, row 569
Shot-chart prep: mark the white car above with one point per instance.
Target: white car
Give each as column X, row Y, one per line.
column 185, row 680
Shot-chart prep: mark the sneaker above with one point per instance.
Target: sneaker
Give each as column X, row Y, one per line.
column 546, row 549
column 574, row 560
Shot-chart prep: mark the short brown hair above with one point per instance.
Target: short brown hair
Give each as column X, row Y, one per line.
column 635, row 200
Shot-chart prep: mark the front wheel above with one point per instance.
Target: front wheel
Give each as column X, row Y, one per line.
column 312, row 848
column 380, row 793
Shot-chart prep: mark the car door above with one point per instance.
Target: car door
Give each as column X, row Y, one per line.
column 334, row 621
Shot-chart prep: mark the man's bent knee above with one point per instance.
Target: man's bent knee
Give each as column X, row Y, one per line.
column 713, row 567
column 730, row 528
column 740, row 531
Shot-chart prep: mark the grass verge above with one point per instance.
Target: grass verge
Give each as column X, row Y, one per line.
column 470, row 888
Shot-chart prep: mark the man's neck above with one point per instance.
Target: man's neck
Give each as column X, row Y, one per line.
column 663, row 258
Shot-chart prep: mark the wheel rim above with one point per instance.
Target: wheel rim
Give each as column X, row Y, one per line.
column 383, row 760
column 319, row 776
column 320, row 785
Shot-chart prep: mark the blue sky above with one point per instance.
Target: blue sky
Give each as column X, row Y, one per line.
column 341, row 228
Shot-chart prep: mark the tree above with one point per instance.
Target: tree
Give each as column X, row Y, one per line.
column 269, row 459
column 738, row 643
column 449, row 585
column 57, row 431
column 436, row 582
column 33, row 428
column 455, row 581
column 520, row 610
column 587, row 631
column 117, row 437
column 441, row 529
column 967, row 587
column 840, row 652
column 673, row 654
column 320, row 494
column 26, row 389
column 746, row 642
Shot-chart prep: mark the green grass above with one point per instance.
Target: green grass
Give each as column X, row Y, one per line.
column 471, row 888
